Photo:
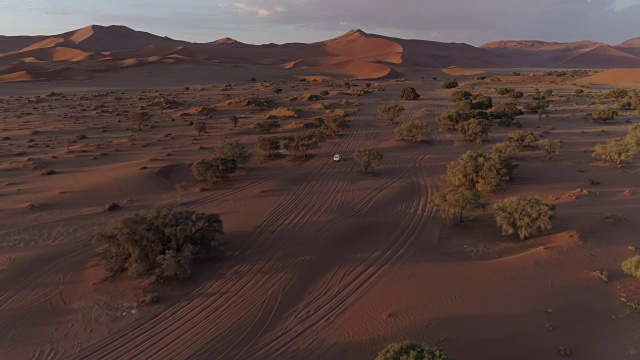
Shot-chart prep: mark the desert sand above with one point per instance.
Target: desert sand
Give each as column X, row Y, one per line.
column 321, row 262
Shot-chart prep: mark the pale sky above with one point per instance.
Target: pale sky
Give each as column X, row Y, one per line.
column 279, row 21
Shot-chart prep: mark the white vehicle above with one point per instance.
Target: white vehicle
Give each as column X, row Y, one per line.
column 337, row 157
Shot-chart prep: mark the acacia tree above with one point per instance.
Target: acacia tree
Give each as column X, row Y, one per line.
column 390, row 112
column 140, row 119
column 538, row 105
column 616, row 151
column 234, row 150
column 604, row 115
column 475, row 130
column 409, row 93
column 550, row 147
column 452, row 203
column 414, row 131
column 163, row 242
column 506, row 112
column 300, row 145
column 526, row 217
column 522, row 138
column 412, row 351
column 450, row 119
column 368, row 159
column 334, row 125
column 267, row 126
column 200, row 127
column 214, row 170
column 268, row 144
column 478, row 170
column 234, row 120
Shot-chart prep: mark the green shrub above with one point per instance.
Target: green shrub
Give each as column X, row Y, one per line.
column 452, row 203
column 390, row 112
column 409, row 93
column 214, row 170
column 604, row 114
column 450, row 119
column 506, row 148
column 478, row 170
column 616, row 151
column 163, row 242
column 450, row 84
column 526, row 217
column 234, row 150
column 414, row 131
column 522, row 138
column 475, row 130
column 412, row 351
column 368, row 159
column 550, row 147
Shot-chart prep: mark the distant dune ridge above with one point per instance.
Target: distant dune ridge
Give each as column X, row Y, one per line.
column 356, row 54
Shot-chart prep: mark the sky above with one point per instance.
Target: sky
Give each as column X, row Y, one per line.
column 264, row 21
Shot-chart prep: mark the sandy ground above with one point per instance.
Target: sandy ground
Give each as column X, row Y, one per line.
column 321, row 262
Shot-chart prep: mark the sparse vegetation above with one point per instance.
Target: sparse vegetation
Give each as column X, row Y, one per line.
column 604, row 115
column 550, row 147
column 478, row 170
column 409, row 93
column 267, row 126
column 631, row 267
column 390, row 112
column 214, row 170
column 450, row 84
column 234, row 150
column 525, row 217
column 268, row 145
column 140, row 119
column 616, row 151
column 452, row 203
column 475, row 130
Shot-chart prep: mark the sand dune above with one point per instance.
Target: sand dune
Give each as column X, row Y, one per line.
column 354, row 54
column 458, row 71
column 614, row 76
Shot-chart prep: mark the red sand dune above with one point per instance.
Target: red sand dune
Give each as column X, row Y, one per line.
column 614, row 76
column 458, row 71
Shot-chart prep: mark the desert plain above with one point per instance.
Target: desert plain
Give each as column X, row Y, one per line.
column 319, row 260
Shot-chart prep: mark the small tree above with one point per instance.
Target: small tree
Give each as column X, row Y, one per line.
column 140, row 119
column 634, row 135
column 414, row 131
column 506, row 111
column 163, row 242
column 234, row 150
column 481, row 102
column 478, row 170
column 268, row 144
column 450, row 84
column 214, row 170
column 452, row 203
column 200, row 127
column 522, row 138
column 234, row 121
column 300, row 145
column 267, row 126
column 525, row 217
column 452, row 118
column 615, row 151
column 368, row 159
column 604, row 115
column 506, row 149
column 550, row 147
column 181, row 188
column 409, row 93
column 578, row 92
column 390, row 112
column 475, row 130
column 277, row 91
column 334, row 125
column 539, row 105
column 412, row 351
column 460, row 95
column 631, row 267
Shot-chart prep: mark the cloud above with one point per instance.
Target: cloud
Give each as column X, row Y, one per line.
column 461, row 20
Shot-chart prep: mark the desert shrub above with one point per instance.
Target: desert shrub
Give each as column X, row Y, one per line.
column 214, row 170
column 308, row 97
column 268, row 144
column 450, row 119
column 537, row 106
column 478, row 170
column 631, row 267
column 617, row 94
column 390, row 112
column 300, row 145
column 200, row 127
column 452, row 203
column 604, row 114
column 409, row 93
column 450, row 84
column 334, row 125
column 48, row 172
column 234, row 120
column 506, row 148
column 368, row 159
column 460, row 95
column 412, row 351
column 481, row 102
column 508, row 111
column 234, row 150
column 550, row 147
column 525, row 217
column 475, row 130
column 516, row 94
column 277, row 91
column 163, row 242
column 633, row 135
column 414, row 131
column 324, row 93
column 267, row 126
column 140, row 119
column 578, row 92
column 504, row 91
column 522, row 138
column 547, row 93
column 616, row 151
